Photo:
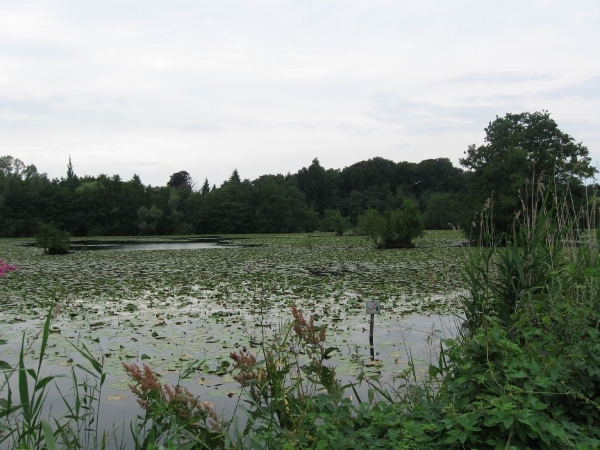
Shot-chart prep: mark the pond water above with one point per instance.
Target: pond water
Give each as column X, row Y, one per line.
column 143, row 245
column 416, row 337
column 173, row 305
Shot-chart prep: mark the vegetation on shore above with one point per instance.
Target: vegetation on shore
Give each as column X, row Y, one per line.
column 524, row 372
column 517, row 148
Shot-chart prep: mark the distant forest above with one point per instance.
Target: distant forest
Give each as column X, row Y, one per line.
column 109, row 206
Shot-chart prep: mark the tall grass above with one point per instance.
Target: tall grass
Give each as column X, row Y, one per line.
column 24, row 424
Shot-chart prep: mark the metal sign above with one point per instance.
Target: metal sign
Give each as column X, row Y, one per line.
column 373, row 306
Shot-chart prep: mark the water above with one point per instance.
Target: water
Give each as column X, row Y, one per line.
column 135, row 245
column 147, row 245
column 395, row 342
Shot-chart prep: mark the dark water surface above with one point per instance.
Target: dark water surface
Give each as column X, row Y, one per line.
column 145, row 245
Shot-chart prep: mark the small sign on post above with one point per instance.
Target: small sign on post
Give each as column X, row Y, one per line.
column 373, row 307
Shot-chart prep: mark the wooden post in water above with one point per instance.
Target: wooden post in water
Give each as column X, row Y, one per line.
column 371, row 337
column 373, row 307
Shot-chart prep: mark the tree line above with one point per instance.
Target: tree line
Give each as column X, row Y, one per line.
column 518, row 149
column 107, row 205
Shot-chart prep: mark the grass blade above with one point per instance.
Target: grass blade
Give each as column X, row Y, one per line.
column 48, row 435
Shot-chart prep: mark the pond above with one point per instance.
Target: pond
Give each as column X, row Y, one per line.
column 170, row 307
column 144, row 245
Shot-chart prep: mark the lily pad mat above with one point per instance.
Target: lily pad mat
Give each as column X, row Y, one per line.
column 169, row 307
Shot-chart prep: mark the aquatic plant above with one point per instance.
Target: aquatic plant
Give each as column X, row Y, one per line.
column 52, row 240
column 174, row 416
column 394, row 228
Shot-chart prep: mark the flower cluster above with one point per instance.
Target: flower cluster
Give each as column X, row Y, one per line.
column 151, row 393
column 5, row 268
column 306, row 330
column 245, row 362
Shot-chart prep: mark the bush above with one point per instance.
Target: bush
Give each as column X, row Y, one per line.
column 394, row 228
column 52, row 240
column 334, row 221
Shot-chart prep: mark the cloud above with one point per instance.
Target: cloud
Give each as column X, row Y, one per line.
column 588, row 89
column 430, row 118
column 25, row 105
column 195, row 127
column 499, row 77
column 217, row 85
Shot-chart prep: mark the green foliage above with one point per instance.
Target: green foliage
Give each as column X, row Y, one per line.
column 287, row 384
column 524, row 386
column 52, row 240
column 149, row 218
column 520, row 149
column 526, row 369
column 181, row 180
column 103, row 206
column 444, row 211
column 523, row 373
column 173, row 416
column 521, row 268
column 394, row 228
column 22, row 422
column 334, row 221
column 281, row 207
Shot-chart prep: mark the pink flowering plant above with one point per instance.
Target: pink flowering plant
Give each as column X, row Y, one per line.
column 5, row 268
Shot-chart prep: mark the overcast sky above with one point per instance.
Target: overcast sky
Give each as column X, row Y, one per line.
column 155, row 87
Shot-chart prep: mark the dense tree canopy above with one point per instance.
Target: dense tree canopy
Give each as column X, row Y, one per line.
column 520, row 151
column 181, row 180
column 313, row 198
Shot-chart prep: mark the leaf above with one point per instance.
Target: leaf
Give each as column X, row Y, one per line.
column 4, row 365
column 329, row 351
column 433, row 371
column 48, row 435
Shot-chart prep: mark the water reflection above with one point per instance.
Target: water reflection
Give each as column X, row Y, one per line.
column 145, row 245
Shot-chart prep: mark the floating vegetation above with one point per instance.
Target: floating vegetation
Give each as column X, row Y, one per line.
column 169, row 307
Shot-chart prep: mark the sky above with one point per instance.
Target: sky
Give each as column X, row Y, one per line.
column 156, row 87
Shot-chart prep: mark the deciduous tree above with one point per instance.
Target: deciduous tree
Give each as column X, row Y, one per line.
column 520, row 149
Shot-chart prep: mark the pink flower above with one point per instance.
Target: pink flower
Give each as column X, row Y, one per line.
column 5, row 268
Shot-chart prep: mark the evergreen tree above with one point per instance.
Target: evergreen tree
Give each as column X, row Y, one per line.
column 205, row 187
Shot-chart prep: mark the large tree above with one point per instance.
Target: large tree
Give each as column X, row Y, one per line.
column 181, row 180
column 520, row 149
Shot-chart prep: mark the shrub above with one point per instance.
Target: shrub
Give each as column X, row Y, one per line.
column 334, row 221
column 173, row 414
column 52, row 240
column 394, row 228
